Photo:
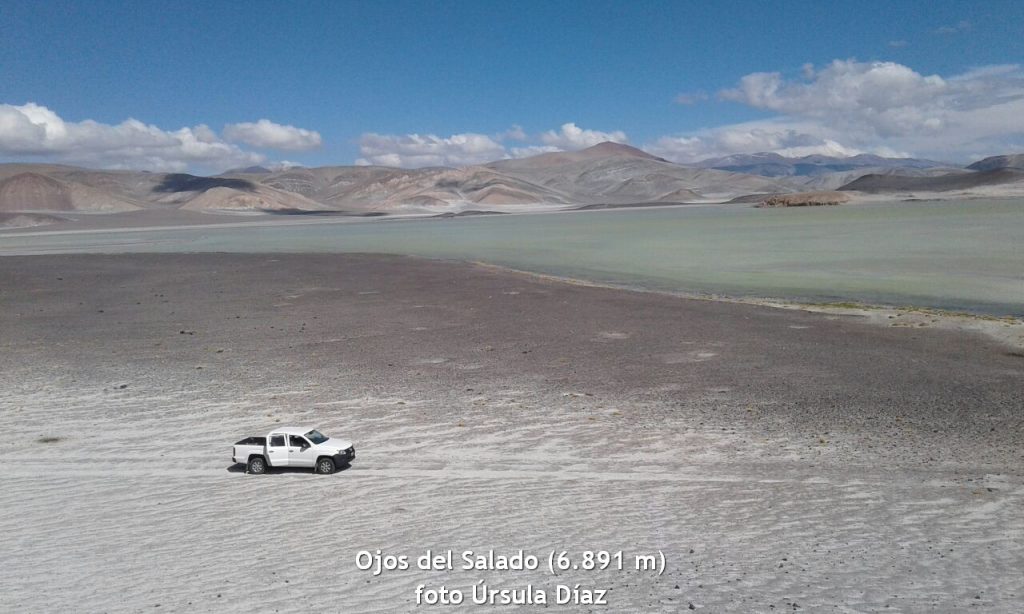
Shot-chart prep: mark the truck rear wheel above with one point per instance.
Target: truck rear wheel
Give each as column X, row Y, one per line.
column 325, row 466
column 257, row 465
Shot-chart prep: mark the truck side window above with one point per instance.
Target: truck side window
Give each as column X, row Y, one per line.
column 296, row 442
column 276, row 441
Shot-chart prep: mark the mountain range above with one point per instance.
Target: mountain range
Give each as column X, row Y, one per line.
column 607, row 174
column 775, row 165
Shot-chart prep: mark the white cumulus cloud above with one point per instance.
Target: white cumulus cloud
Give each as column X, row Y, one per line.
column 571, row 137
column 419, row 150
column 265, row 134
column 878, row 107
column 515, row 133
column 790, row 140
column 416, row 150
column 886, row 97
column 34, row 130
column 532, row 150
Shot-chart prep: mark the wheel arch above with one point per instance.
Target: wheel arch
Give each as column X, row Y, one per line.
column 330, row 457
column 257, row 455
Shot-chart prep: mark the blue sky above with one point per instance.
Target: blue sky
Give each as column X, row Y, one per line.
column 339, row 82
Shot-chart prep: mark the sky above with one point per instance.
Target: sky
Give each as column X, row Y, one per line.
column 207, row 86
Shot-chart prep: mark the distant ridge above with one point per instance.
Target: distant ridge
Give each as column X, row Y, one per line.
column 996, row 162
column 875, row 184
column 774, row 165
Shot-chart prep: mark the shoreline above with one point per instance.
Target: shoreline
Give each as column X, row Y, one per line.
column 998, row 318
column 264, row 219
column 1008, row 330
column 227, row 218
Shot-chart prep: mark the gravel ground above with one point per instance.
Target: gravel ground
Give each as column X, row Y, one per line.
column 780, row 460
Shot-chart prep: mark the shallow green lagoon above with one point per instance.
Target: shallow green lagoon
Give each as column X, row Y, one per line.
column 961, row 255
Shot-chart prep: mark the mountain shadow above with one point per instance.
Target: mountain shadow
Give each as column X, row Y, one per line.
column 182, row 182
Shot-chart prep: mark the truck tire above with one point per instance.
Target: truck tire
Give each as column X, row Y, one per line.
column 256, row 465
column 325, row 465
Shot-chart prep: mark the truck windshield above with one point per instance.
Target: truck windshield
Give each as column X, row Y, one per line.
column 316, row 437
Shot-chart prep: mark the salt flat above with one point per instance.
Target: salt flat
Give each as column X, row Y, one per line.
column 777, row 458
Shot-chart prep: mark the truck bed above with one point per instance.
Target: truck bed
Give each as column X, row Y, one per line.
column 253, row 441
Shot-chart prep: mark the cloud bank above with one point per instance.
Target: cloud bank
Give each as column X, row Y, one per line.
column 842, row 109
column 33, row 130
column 415, row 150
column 419, row 150
column 265, row 134
column 878, row 107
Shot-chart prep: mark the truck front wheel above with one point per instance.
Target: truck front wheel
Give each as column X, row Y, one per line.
column 325, row 466
column 257, row 465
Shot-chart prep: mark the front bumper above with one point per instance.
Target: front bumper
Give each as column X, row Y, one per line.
column 345, row 456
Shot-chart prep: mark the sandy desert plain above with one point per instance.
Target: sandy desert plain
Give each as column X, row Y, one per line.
column 828, row 458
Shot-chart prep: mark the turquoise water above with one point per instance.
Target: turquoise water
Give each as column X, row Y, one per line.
column 962, row 255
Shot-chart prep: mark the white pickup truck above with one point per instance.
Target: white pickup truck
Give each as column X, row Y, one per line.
column 293, row 446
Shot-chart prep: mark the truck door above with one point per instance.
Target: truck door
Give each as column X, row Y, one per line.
column 300, row 452
column 277, row 450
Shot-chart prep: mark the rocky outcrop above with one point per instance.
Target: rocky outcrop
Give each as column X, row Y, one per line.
column 805, row 199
